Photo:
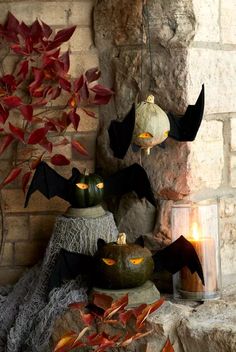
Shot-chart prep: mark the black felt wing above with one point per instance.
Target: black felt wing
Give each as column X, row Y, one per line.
column 185, row 128
column 132, row 178
column 177, row 255
column 120, row 134
column 49, row 183
column 68, row 266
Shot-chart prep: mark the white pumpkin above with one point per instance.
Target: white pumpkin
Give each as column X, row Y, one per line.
column 151, row 124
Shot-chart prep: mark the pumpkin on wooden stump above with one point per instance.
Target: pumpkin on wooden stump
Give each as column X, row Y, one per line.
column 122, row 265
column 87, row 191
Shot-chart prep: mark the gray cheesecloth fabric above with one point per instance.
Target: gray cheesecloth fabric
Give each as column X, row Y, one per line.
column 26, row 314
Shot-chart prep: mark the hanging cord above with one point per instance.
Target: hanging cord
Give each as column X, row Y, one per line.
column 146, row 20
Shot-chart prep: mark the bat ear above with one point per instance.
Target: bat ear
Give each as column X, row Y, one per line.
column 101, row 243
column 140, row 241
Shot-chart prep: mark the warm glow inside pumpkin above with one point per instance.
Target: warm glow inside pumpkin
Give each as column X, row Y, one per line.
column 151, row 124
column 122, row 265
column 87, row 191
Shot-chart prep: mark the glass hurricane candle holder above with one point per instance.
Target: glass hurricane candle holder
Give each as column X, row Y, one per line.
column 198, row 223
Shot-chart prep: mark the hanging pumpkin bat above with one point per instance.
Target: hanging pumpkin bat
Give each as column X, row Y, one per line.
column 148, row 125
column 121, row 265
column 83, row 191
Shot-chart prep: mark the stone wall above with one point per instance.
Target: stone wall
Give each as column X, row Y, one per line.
column 28, row 230
column 192, row 42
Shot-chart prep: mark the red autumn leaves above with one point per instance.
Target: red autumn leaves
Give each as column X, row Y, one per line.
column 128, row 325
column 30, row 114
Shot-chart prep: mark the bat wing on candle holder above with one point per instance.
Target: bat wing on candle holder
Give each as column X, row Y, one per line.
column 177, row 255
column 174, row 257
column 50, row 184
column 182, row 128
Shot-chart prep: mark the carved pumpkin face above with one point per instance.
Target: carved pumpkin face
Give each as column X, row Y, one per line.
column 151, row 124
column 87, row 191
column 121, row 265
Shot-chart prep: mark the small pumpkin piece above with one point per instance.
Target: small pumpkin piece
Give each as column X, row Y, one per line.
column 151, row 125
column 122, row 265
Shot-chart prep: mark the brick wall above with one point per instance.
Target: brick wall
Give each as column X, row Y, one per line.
column 28, row 230
column 212, row 160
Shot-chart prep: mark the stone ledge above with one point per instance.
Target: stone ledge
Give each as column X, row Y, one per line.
column 210, row 326
column 191, row 326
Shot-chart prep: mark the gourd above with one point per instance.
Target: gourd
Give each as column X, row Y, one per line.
column 87, row 191
column 122, row 265
column 151, row 125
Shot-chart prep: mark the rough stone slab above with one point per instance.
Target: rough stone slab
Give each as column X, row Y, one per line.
column 207, row 20
column 217, row 70
column 172, row 23
column 208, row 150
column 227, row 21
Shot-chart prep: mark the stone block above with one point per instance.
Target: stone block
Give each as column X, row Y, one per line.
column 14, row 202
column 9, row 276
column 206, row 14
column 88, row 123
column 41, row 226
column 80, row 41
column 233, row 170
column 51, row 12
column 228, row 248
column 80, row 62
column 208, row 150
column 7, row 255
column 217, row 73
column 227, row 21
column 233, row 134
column 28, row 253
column 17, row 228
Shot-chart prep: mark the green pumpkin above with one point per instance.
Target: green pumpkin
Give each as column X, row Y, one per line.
column 151, row 124
column 87, row 191
column 121, row 265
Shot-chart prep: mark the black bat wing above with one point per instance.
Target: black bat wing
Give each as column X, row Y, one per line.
column 68, row 266
column 132, row 178
column 120, row 134
column 177, row 255
column 49, row 183
column 185, row 128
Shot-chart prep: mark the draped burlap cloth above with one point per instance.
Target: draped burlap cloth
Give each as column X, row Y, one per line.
column 26, row 314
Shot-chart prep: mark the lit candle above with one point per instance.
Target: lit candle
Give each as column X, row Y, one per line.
column 205, row 249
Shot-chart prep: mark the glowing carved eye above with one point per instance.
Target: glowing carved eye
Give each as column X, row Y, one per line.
column 82, row 185
column 166, row 133
column 109, row 261
column 100, row 185
column 136, row 261
column 145, row 135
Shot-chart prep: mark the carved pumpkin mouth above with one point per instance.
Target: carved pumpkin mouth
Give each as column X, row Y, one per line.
column 145, row 135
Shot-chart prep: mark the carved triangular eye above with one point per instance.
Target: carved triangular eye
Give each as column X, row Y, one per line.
column 100, row 185
column 145, row 135
column 82, row 185
column 109, row 261
column 136, row 261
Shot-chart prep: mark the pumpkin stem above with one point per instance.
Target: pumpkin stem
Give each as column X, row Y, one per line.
column 148, row 150
column 86, row 172
column 150, row 99
column 121, row 239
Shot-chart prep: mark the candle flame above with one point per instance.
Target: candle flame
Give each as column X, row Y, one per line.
column 195, row 231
